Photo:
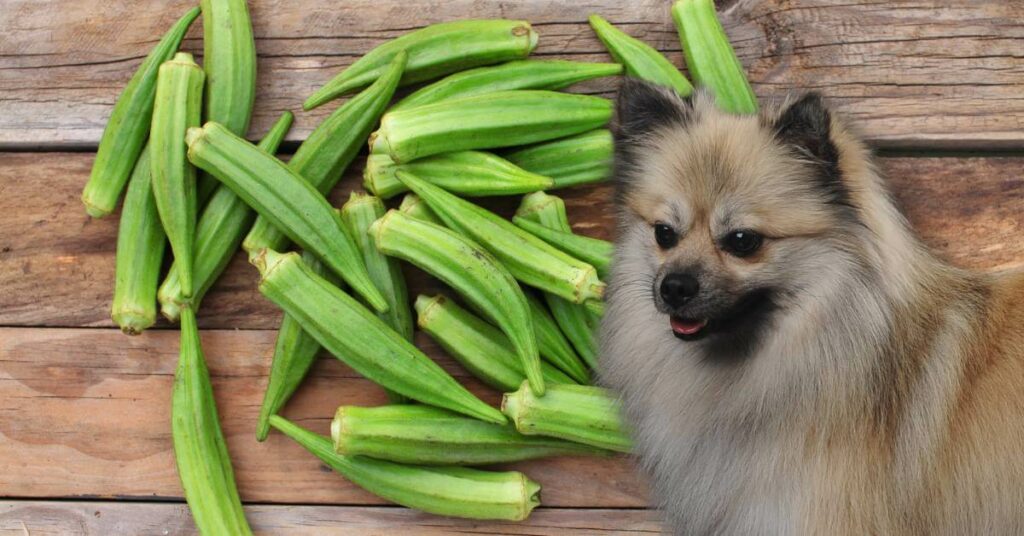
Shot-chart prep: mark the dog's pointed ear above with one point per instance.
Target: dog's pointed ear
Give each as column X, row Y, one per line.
column 806, row 126
column 642, row 107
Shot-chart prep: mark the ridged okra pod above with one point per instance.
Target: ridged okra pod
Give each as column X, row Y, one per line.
column 480, row 347
column 500, row 119
column 356, row 336
column 595, row 251
column 581, row 159
column 710, row 58
column 447, row 491
column 581, row 413
column 219, row 231
column 413, row 206
column 472, row 271
column 552, row 342
column 179, row 98
column 126, row 131
column 434, row 51
column 330, row 148
column 285, row 199
column 472, row 173
column 140, row 253
column 199, row 449
column 423, row 435
column 530, row 259
column 519, row 74
column 640, row 59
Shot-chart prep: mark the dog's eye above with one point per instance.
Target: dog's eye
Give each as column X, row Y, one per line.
column 665, row 236
column 742, row 243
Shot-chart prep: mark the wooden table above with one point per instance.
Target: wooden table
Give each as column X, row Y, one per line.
column 937, row 86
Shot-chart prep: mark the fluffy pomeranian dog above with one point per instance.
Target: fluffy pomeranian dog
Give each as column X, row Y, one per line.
column 791, row 358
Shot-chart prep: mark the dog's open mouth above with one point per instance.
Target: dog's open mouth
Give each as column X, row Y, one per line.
column 686, row 328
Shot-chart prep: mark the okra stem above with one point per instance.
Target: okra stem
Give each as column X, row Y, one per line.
column 581, row 413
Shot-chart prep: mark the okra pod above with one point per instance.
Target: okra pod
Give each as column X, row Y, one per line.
column 640, row 59
column 448, row 491
column 519, row 74
column 285, row 199
column 473, row 173
column 581, row 413
column 177, row 107
column 595, row 251
column 356, row 336
column 480, row 347
column 710, row 58
column 423, row 435
column 470, row 270
column 581, row 159
column 499, row 119
column 219, row 231
column 330, row 148
column 434, row 51
column 413, row 206
column 140, row 253
column 552, row 342
column 204, row 465
column 126, row 131
column 528, row 258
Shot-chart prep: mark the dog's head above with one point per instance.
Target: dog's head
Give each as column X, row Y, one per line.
column 726, row 220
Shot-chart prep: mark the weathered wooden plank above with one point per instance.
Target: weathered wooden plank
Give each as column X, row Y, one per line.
column 915, row 73
column 57, row 265
column 86, row 413
column 102, row 518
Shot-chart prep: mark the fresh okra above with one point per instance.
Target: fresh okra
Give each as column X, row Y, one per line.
column 552, row 342
column 480, row 347
column 424, row 435
column 435, row 50
column 177, row 107
column 499, row 119
column 414, row 207
column 473, row 173
column 581, row 159
column 470, row 270
column 128, row 126
column 140, row 253
column 219, row 231
column 640, row 59
column 595, row 251
column 448, row 491
column 199, row 449
column 528, row 258
column 330, row 148
column 285, row 199
column 710, row 57
column 581, row 413
column 519, row 74
column 354, row 335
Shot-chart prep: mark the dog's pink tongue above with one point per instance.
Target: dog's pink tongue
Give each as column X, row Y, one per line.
column 687, row 327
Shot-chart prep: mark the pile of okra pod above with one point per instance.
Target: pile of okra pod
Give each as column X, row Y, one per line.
column 488, row 122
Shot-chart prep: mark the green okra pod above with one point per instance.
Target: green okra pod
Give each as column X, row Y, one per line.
column 519, row 74
column 435, row 50
column 219, row 231
column 423, row 435
column 640, row 59
column 285, row 199
column 528, row 258
column 204, row 465
column 480, row 347
column 177, row 107
column 128, row 126
column 595, row 251
column 356, row 336
column 448, row 491
column 500, row 119
column 552, row 342
column 140, row 253
column 413, row 206
column 710, row 58
column 581, row 413
column 472, row 173
column 581, row 159
column 470, row 270
column 330, row 148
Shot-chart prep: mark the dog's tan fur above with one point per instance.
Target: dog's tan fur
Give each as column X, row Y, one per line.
column 886, row 395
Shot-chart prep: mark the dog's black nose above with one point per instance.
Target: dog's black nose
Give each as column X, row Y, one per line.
column 677, row 289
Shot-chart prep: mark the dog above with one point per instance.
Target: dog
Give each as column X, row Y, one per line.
column 790, row 357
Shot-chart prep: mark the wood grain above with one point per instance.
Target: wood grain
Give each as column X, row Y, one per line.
column 97, row 518
column 914, row 73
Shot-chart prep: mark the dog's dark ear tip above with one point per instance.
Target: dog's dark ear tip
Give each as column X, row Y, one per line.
column 641, row 106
